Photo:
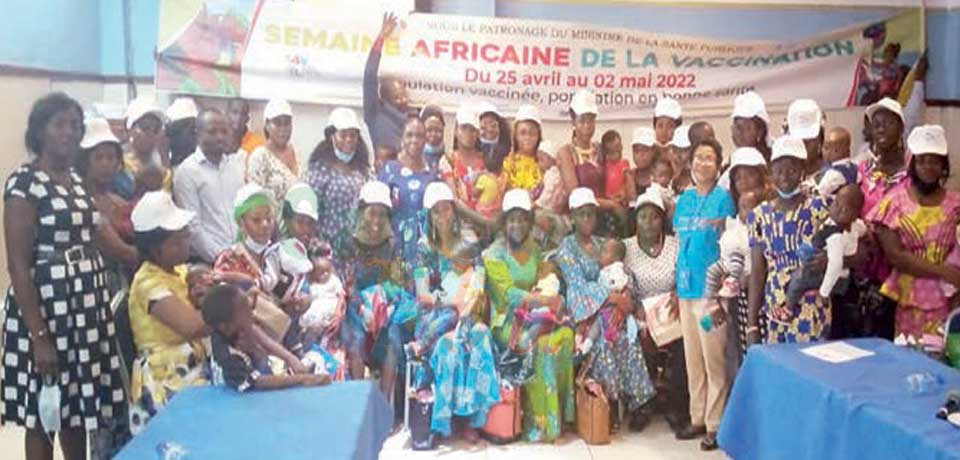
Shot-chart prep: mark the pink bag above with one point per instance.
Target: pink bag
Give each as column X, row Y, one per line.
column 503, row 419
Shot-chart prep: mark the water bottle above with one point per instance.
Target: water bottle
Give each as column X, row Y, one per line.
column 171, row 451
column 922, row 383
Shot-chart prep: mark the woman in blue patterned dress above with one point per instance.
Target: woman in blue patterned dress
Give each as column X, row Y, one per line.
column 339, row 167
column 407, row 177
column 619, row 365
column 777, row 230
column 465, row 378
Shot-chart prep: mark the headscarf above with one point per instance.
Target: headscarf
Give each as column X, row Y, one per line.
column 249, row 197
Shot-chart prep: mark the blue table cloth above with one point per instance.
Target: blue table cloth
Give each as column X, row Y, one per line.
column 787, row 405
column 348, row 420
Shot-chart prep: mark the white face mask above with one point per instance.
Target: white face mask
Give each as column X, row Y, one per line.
column 254, row 246
column 48, row 406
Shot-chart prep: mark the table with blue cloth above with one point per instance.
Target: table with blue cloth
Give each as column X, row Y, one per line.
column 348, row 420
column 788, row 405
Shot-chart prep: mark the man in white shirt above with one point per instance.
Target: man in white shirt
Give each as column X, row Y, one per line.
column 206, row 183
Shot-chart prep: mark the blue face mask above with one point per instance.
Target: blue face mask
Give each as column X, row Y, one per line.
column 435, row 150
column 488, row 142
column 788, row 195
column 342, row 156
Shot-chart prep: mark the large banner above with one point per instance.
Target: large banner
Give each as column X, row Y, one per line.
column 314, row 51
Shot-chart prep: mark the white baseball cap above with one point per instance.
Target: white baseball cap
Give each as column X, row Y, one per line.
column 181, row 109
column 747, row 156
column 804, row 119
column 681, row 137
column 517, row 198
column 749, row 105
column 141, row 107
column 467, row 115
column 583, row 102
column 156, row 210
column 788, row 146
column 343, row 118
column 528, row 112
column 548, row 148
column 928, row 140
column 668, row 107
column 581, row 196
column 435, row 193
column 109, row 110
column 887, row 104
column 650, row 196
column 302, row 200
column 277, row 108
column 644, row 136
column 376, row 192
column 97, row 132
column 294, row 257
column 486, row 107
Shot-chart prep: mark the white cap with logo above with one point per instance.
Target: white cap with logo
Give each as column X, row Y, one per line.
column 376, row 192
column 804, row 119
column 928, row 140
column 788, row 146
column 584, row 102
column 747, row 156
column 517, row 198
column 581, row 196
column 156, row 210
column 887, row 104
column 277, row 108
column 435, row 193
column 343, row 118
column 668, row 107
column 749, row 105
column 650, row 196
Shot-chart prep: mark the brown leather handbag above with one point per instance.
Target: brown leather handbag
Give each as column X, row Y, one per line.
column 593, row 411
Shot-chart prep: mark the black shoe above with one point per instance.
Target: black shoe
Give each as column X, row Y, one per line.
column 639, row 421
column 691, row 432
column 709, row 441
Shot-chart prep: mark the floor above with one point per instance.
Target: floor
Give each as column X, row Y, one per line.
column 654, row 443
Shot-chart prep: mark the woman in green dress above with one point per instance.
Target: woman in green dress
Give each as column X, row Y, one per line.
column 514, row 263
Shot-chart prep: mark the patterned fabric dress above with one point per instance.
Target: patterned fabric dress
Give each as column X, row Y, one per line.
column 929, row 233
column 618, row 366
column 271, row 172
column 75, row 302
column 522, row 171
column 337, row 194
column 407, row 189
column 780, row 235
column 465, row 376
column 547, row 398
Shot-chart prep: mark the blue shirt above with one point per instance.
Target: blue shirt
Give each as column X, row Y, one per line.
column 698, row 221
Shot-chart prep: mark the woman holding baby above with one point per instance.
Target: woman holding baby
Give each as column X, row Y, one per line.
column 450, row 333
column 601, row 306
column 514, row 265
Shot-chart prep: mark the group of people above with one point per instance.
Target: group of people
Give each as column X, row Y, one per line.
column 501, row 259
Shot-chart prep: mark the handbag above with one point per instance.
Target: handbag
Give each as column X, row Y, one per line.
column 271, row 318
column 503, row 424
column 663, row 329
column 593, row 411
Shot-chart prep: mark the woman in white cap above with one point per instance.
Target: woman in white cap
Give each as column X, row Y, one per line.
column 465, row 376
column 463, row 168
column 617, row 365
column 98, row 160
column 884, row 172
column 495, row 140
column 917, row 227
column 145, row 126
column 338, row 168
column 581, row 164
column 407, row 177
column 778, row 228
column 435, row 124
column 181, row 129
column 167, row 328
column 751, row 122
column 56, row 277
column 375, row 270
column 651, row 258
column 805, row 121
column 274, row 165
column 298, row 218
column 667, row 117
column 680, row 156
column 698, row 220
column 645, row 153
column 514, row 265
column 520, row 169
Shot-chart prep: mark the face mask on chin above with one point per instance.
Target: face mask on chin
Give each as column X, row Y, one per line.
column 254, row 246
column 343, row 156
column 788, row 195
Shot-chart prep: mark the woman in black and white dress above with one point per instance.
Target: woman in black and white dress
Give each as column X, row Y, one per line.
column 59, row 326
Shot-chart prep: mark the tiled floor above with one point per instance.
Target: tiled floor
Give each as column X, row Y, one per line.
column 654, row 443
